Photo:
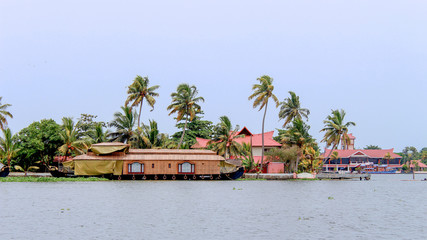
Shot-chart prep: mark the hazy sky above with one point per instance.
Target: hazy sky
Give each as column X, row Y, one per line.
column 368, row 57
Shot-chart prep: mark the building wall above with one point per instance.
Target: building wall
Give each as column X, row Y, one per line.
column 275, row 167
column 258, row 150
column 162, row 167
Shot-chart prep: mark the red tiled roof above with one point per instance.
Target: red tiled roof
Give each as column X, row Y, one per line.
column 200, row 143
column 256, row 140
column 372, row 153
column 245, row 131
column 420, row 164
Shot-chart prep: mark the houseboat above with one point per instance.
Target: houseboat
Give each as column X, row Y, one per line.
column 118, row 161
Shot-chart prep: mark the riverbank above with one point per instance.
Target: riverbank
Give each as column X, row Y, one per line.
column 50, row 179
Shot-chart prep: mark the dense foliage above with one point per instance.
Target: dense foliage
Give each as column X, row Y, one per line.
column 39, row 142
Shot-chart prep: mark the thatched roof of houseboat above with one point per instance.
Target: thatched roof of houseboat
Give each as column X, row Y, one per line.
column 109, row 147
column 156, row 154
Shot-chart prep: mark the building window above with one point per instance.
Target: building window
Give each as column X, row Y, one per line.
column 170, row 165
column 152, row 165
column 136, row 168
column 186, row 168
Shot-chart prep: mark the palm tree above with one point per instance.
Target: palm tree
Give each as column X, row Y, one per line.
column 297, row 135
column 25, row 167
column 98, row 134
column 184, row 102
column 224, row 143
column 124, row 124
column 140, row 90
column 262, row 93
column 336, row 130
column 8, row 146
column 73, row 143
column 150, row 136
column 291, row 109
column 3, row 114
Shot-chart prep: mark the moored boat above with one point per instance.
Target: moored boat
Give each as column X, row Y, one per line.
column 118, row 161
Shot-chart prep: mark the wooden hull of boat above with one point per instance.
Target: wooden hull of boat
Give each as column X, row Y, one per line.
column 4, row 172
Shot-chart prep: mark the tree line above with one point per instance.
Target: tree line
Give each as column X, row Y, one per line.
column 35, row 146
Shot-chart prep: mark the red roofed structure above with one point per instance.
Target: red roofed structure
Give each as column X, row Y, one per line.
column 417, row 165
column 349, row 159
column 254, row 139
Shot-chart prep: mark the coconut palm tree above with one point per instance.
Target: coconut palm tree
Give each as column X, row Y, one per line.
column 98, row 135
column 3, row 114
column 140, row 90
column 150, row 136
column 8, row 146
column 184, row 102
column 336, row 130
column 297, row 135
column 262, row 93
column 290, row 109
column 224, row 143
column 124, row 124
column 73, row 142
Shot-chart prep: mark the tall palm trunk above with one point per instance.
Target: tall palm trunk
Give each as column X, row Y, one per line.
column 140, row 110
column 333, row 148
column 183, row 133
column 8, row 161
column 263, row 120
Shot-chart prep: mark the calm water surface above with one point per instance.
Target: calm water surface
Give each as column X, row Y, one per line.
column 384, row 208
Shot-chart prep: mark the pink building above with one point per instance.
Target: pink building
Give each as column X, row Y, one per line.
column 256, row 142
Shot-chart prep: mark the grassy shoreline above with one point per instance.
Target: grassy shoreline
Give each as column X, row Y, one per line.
column 51, row 179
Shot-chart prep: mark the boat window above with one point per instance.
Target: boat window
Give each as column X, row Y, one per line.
column 136, row 168
column 186, row 168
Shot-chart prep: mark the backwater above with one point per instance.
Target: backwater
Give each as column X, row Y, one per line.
column 386, row 207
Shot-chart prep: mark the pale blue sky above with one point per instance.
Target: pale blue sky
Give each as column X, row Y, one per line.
column 64, row 58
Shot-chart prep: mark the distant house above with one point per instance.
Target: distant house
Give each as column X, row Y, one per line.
column 417, row 165
column 256, row 142
column 350, row 158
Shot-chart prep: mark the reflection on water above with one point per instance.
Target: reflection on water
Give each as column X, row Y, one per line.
column 384, row 208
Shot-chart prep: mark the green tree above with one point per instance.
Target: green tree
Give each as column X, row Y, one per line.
column 336, row 130
column 39, row 142
column 424, row 156
column 140, row 90
column 124, row 124
column 297, row 135
column 262, row 93
column 290, row 109
column 97, row 134
column 8, row 146
column 4, row 114
column 287, row 155
column 371, row 147
column 87, row 124
column 150, row 137
column 224, row 143
column 185, row 104
column 73, row 143
column 197, row 128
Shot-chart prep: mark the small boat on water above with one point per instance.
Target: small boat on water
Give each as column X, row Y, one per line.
column 118, row 161
column 4, row 170
column 379, row 169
